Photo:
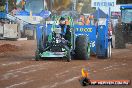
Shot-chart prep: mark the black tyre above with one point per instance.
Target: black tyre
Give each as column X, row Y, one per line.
column 37, row 56
column 82, row 49
column 108, row 51
column 119, row 37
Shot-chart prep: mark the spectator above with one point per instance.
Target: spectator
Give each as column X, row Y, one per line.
column 110, row 33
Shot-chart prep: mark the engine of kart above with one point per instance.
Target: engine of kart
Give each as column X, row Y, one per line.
column 58, row 41
column 57, row 38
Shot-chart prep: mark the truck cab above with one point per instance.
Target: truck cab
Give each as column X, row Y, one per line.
column 126, row 19
column 123, row 31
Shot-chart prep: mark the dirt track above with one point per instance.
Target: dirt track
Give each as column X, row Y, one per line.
column 19, row 70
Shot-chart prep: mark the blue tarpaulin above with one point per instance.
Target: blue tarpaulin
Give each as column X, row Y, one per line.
column 23, row 13
column 101, row 14
column 43, row 13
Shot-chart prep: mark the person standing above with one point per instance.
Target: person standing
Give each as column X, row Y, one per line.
column 87, row 21
column 110, row 33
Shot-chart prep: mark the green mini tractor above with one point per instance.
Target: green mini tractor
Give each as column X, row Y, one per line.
column 60, row 41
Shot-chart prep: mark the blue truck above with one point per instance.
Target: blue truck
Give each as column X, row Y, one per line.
column 123, row 30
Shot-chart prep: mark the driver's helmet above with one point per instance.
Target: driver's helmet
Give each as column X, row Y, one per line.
column 62, row 20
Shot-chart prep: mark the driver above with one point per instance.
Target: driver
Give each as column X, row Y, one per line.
column 65, row 28
column 62, row 25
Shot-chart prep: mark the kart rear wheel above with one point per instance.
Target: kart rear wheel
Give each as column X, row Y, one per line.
column 108, row 54
column 82, row 48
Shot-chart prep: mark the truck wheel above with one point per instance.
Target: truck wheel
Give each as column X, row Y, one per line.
column 82, row 49
column 88, row 50
column 119, row 37
column 108, row 52
column 37, row 56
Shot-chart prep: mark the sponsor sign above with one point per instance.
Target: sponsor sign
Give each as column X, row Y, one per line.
column 103, row 3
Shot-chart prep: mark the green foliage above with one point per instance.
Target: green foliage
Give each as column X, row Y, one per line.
column 12, row 4
column 124, row 1
column 2, row 2
column 87, row 7
column 2, row 5
column 19, row 5
column 2, row 8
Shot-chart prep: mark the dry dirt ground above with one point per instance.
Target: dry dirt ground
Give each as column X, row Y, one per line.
column 18, row 69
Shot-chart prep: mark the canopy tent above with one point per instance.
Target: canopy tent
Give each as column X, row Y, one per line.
column 101, row 14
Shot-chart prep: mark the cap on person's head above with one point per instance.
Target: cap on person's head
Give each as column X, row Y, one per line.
column 62, row 19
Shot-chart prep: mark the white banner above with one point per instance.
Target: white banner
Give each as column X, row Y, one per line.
column 103, row 3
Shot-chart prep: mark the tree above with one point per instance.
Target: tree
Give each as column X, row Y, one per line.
column 2, row 7
column 124, row 1
column 2, row 2
column 11, row 4
column 87, row 7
